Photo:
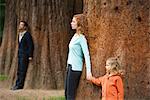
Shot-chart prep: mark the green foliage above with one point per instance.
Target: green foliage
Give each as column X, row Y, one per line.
column 2, row 1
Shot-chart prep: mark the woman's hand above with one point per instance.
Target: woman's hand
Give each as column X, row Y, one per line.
column 89, row 76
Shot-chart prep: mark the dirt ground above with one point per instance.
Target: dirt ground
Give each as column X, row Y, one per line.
column 23, row 94
column 27, row 94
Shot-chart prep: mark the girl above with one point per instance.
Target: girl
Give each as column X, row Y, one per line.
column 78, row 49
column 112, row 85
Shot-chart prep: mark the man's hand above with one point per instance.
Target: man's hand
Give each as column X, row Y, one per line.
column 30, row 58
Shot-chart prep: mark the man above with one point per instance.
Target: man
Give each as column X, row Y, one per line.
column 25, row 54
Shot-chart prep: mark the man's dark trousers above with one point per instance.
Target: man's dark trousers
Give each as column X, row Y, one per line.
column 21, row 72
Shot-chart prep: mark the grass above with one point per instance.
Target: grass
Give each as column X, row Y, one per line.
column 23, row 98
column 55, row 98
column 3, row 77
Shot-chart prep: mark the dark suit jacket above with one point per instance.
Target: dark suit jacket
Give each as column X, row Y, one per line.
column 26, row 46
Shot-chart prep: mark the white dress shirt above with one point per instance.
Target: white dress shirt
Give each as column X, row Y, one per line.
column 21, row 34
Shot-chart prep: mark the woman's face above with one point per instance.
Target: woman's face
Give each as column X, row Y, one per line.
column 74, row 23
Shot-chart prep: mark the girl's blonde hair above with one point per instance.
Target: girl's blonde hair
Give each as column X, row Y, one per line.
column 115, row 66
column 81, row 23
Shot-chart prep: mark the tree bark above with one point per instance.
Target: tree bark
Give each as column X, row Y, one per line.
column 119, row 28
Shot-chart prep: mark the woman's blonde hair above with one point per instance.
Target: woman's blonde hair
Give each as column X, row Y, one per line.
column 81, row 23
column 114, row 65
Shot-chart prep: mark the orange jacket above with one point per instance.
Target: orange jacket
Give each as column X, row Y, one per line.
column 112, row 87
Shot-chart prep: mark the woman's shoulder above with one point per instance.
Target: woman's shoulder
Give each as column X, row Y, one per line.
column 82, row 36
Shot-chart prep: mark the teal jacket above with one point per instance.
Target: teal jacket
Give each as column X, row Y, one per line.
column 78, row 50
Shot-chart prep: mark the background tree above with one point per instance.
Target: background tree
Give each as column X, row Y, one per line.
column 49, row 24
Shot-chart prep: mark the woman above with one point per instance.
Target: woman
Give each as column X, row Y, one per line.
column 78, row 49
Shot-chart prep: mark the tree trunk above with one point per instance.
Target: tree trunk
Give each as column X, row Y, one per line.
column 119, row 28
column 8, row 42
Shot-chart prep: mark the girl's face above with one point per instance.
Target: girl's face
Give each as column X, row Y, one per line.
column 108, row 66
column 74, row 23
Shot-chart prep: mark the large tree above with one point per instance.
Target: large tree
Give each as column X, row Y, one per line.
column 119, row 28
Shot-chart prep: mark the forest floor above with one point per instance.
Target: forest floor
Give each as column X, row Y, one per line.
column 6, row 94
column 27, row 94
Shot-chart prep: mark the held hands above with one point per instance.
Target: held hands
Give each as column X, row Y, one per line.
column 89, row 77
